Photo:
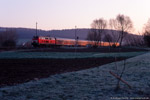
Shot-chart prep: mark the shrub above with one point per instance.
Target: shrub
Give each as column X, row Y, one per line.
column 9, row 43
column 8, row 38
column 147, row 40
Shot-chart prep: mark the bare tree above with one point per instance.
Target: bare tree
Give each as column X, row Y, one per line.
column 123, row 25
column 108, row 38
column 8, row 38
column 147, row 26
column 97, row 28
column 1, row 39
column 147, row 33
column 113, row 32
column 119, row 77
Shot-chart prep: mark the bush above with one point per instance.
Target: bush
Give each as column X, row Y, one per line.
column 114, row 46
column 95, row 46
column 147, row 40
column 9, row 43
column 8, row 38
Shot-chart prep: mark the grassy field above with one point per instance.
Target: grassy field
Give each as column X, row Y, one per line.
column 63, row 55
column 91, row 84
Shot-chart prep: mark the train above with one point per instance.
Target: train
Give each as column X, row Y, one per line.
column 47, row 41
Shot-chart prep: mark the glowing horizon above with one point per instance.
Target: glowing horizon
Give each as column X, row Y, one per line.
column 66, row 14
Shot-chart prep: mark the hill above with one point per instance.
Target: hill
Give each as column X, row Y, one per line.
column 26, row 34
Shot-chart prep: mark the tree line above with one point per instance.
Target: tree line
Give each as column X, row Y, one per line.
column 147, row 33
column 119, row 29
column 8, row 38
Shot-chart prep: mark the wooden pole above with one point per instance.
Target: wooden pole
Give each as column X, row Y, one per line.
column 119, row 79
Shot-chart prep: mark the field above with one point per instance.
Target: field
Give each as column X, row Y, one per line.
column 69, row 75
column 63, row 55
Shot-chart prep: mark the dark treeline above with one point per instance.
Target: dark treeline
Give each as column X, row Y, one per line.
column 8, row 38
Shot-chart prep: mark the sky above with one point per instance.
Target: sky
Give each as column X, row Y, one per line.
column 66, row 14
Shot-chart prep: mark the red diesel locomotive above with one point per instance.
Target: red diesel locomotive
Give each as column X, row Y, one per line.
column 39, row 41
column 43, row 41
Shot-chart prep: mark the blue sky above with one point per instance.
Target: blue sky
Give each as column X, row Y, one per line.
column 65, row 14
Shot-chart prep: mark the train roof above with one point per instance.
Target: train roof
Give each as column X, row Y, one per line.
column 58, row 38
column 70, row 39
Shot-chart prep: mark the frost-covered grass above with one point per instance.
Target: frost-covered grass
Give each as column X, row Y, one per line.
column 18, row 55
column 91, row 84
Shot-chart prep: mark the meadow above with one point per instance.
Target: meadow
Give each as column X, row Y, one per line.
column 64, row 55
column 92, row 83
